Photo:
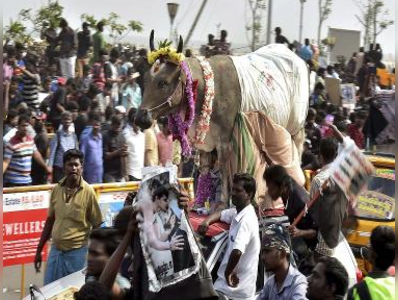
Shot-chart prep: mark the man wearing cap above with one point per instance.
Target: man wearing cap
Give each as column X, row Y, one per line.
column 237, row 274
column 286, row 283
column 130, row 91
column 83, row 46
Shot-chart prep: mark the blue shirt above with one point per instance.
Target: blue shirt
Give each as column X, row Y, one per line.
column 294, row 287
column 93, row 167
column 306, row 53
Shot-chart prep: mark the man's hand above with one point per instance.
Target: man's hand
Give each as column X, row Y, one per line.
column 294, row 232
column 37, row 262
column 202, row 229
column 183, row 200
column 232, row 279
column 133, row 223
column 176, row 242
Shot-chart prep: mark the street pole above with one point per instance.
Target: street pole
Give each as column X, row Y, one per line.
column 301, row 20
column 172, row 8
column 186, row 41
column 269, row 22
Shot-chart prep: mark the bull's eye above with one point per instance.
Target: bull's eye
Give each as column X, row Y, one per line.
column 162, row 84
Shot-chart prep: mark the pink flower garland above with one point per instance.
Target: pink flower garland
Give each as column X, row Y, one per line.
column 204, row 122
column 178, row 127
column 203, row 189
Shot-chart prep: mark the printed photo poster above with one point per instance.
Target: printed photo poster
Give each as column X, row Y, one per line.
column 348, row 93
column 168, row 244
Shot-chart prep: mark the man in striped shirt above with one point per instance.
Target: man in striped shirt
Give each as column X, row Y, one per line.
column 18, row 153
column 31, row 83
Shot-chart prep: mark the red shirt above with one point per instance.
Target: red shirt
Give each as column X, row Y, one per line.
column 356, row 135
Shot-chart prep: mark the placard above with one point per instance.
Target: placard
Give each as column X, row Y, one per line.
column 333, row 89
column 348, row 93
column 351, row 170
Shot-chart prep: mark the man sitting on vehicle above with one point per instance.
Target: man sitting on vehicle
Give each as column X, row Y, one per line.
column 237, row 274
column 286, row 282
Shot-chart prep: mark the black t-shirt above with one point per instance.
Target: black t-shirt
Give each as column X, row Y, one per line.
column 112, row 142
column 80, row 123
column 59, row 97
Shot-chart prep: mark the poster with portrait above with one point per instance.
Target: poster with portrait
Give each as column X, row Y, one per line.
column 167, row 241
column 348, row 93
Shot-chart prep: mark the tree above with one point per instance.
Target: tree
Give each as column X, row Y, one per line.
column 379, row 22
column 117, row 30
column 257, row 8
column 16, row 31
column 366, row 20
column 48, row 15
column 373, row 19
column 325, row 9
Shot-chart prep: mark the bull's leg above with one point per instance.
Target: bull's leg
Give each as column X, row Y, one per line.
column 226, row 174
column 298, row 140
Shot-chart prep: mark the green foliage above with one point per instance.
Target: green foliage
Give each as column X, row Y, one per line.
column 164, row 44
column 117, row 30
column 374, row 19
column 135, row 26
column 257, row 8
column 48, row 15
column 16, row 31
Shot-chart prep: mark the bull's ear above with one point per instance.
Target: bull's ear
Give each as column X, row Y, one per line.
column 180, row 45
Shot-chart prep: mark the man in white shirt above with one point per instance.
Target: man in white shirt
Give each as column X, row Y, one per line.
column 237, row 274
column 135, row 141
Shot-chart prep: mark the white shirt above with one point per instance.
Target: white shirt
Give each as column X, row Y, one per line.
column 243, row 236
column 136, row 151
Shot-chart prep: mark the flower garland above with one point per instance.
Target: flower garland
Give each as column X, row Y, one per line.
column 204, row 189
column 179, row 128
column 207, row 108
column 166, row 52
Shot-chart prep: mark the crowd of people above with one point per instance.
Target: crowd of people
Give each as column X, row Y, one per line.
column 91, row 105
column 92, row 109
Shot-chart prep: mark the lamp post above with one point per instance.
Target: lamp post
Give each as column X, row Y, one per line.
column 172, row 8
column 269, row 21
column 301, row 19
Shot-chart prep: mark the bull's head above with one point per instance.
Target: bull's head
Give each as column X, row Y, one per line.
column 164, row 89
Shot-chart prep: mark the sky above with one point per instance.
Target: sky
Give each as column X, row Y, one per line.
column 231, row 15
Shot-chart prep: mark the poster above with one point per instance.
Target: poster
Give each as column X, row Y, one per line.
column 167, row 241
column 24, row 216
column 351, row 170
column 21, row 235
column 348, row 93
column 110, row 205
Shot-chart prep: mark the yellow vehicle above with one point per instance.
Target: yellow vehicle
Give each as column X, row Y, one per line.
column 375, row 206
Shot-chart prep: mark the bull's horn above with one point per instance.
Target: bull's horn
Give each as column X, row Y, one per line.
column 151, row 40
column 180, row 45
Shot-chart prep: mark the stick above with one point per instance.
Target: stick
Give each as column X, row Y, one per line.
column 311, row 203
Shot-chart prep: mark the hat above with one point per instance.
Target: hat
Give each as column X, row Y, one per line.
column 134, row 75
column 276, row 236
column 120, row 109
